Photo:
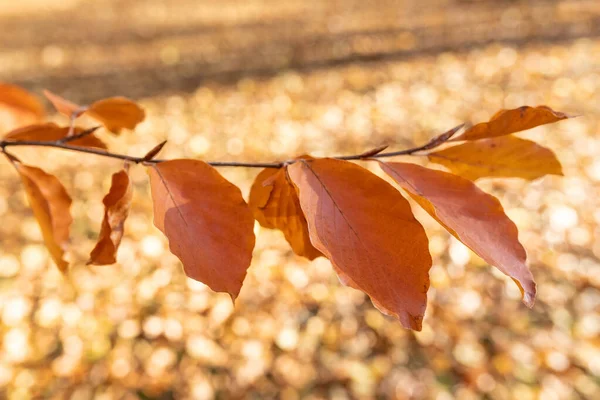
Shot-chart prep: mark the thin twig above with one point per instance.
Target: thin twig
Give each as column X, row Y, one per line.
column 62, row 144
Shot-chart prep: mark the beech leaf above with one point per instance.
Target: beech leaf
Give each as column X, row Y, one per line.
column 117, row 204
column 275, row 205
column 474, row 217
column 51, row 207
column 505, row 122
column 20, row 105
column 207, row 222
column 51, row 132
column 367, row 230
column 115, row 113
column 506, row 156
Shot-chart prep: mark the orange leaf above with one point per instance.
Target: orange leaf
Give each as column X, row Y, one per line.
column 367, row 229
column 51, row 132
column 63, row 106
column 474, row 217
column 275, row 205
column 116, row 210
column 20, row 105
column 50, row 204
column 207, row 222
column 117, row 113
column 506, row 156
column 505, row 122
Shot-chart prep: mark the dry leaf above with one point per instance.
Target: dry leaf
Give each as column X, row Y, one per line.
column 506, row 156
column 21, row 106
column 275, row 205
column 63, row 106
column 207, row 222
column 474, row 217
column 51, row 207
column 367, row 229
column 117, row 113
column 505, row 122
column 51, row 132
column 116, row 210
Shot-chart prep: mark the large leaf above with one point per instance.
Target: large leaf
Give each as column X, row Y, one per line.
column 505, row 122
column 50, row 204
column 116, row 210
column 367, row 229
column 275, row 205
column 474, row 217
column 507, row 156
column 20, row 105
column 52, row 132
column 207, row 222
column 115, row 113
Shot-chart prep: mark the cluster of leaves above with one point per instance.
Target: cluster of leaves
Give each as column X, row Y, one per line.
column 329, row 207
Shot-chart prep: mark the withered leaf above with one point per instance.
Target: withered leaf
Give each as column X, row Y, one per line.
column 117, row 204
column 51, row 132
column 207, row 222
column 474, row 217
column 51, row 207
column 367, row 229
column 505, row 122
column 506, row 156
column 21, row 106
column 275, row 205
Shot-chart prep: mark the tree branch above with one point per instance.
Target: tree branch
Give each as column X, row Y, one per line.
column 63, row 144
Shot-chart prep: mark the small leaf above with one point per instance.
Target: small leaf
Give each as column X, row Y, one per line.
column 474, row 217
column 117, row 113
column 275, row 205
column 116, row 210
column 63, row 106
column 20, row 105
column 505, row 122
column 50, row 132
column 207, row 222
column 50, row 204
column 506, row 156
column 367, row 229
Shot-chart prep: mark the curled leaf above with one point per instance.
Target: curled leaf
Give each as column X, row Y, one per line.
column 367, row 229
column 207, row 222
column 50, row 204
column 472, row 216
column 21, row 106
column 275, row 205
column 506, row 156
column 505, row 122
column 49, row 132
column 117, row 204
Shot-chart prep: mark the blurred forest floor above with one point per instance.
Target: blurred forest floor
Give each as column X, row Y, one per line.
column 259, row 80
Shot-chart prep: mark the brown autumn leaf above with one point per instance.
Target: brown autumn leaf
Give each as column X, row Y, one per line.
column 275, row 205
column 20, row 106
column 207, row 222
column 63, row 106
column 50, row 204
column 474, row 217
column 505, row 122
column 367, row 229
column 506, row 156
column 50, row 132
column 117, row 204
column 115, row 113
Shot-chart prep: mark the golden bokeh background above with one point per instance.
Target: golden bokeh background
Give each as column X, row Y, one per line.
column 260, row 80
